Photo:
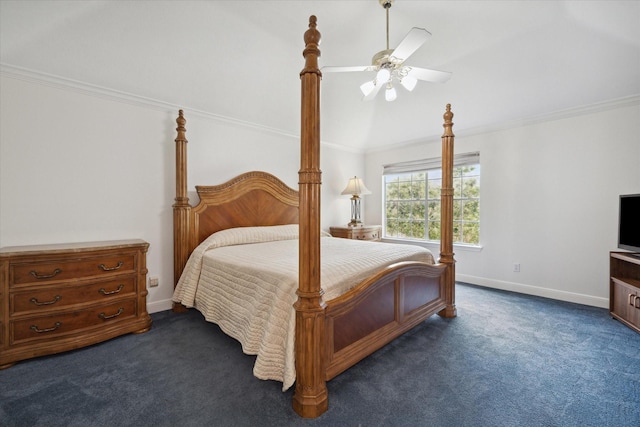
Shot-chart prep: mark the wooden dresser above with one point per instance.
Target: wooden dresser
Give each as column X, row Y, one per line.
column 55, row 298
column 363, row 232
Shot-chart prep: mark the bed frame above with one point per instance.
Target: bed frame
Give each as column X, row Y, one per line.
column 331, row 336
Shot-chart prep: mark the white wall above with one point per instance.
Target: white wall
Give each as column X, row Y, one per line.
column 79, row 165
column 549, row 200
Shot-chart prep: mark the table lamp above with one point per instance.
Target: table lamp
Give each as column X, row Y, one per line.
column 356, row 188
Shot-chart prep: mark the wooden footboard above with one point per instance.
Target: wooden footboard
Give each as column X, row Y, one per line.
column 378, row 310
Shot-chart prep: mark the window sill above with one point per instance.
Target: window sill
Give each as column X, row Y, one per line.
column 434, row 246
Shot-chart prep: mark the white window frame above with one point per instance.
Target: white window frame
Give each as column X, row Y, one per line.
column 423, row 166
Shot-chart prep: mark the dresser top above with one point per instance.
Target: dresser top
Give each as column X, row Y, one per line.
column 79, row 247
column 354, row 227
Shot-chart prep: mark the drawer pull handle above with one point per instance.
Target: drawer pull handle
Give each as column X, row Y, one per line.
column 105, row 268
column 55, row 300
column 105, row 317
column 105, row 292
column 637, row 302
column 34, row 328
column 632, row 299
column 45, row 276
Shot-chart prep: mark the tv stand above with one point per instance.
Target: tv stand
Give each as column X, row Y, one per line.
column 624, row 288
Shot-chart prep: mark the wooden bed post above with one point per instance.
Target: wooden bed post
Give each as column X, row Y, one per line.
column 310, row 397
column 446, row 216
column 181, row 207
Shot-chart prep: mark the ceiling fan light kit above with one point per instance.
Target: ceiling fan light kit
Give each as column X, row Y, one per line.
column 389, row 65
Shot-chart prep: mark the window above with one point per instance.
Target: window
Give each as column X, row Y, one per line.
column 412, row 199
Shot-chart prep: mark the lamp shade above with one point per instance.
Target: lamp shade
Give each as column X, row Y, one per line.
column 367, row 87
column 409, row 82
column 355, row 186
column 390, row 94
column 382, row 76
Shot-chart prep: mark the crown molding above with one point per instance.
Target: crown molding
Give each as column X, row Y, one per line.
column 89, row 89
column 627, row 101
column 63, row 83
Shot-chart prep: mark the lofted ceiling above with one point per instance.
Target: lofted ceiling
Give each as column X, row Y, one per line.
column 511, row 60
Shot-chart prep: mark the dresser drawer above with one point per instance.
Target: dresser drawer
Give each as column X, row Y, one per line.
column 44, row 299
column 55, row 326
column 366, row 234
column 52, row 270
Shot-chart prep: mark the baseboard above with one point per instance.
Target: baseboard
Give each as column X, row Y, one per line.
column 154, row 307
column 535, row 290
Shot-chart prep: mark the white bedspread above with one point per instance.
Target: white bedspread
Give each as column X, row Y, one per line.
column 245, row 280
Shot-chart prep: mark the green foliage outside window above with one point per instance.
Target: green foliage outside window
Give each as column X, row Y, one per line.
column 412, row 205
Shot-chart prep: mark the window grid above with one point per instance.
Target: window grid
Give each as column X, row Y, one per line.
column 412, row 205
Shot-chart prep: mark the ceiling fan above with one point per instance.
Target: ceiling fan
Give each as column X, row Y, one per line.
column 389, row 65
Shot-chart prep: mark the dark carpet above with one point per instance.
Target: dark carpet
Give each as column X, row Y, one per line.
column 506, row 360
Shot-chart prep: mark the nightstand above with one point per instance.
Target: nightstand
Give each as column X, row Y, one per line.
column 363, row 232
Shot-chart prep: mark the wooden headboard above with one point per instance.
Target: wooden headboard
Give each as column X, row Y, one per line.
column 251, row 199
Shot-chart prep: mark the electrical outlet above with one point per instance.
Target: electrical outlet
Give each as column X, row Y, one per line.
column 153, row 282
column 516, row 268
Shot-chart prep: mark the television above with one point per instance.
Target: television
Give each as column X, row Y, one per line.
column 629, row 222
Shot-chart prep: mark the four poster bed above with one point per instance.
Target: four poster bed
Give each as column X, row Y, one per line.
column 313, row 325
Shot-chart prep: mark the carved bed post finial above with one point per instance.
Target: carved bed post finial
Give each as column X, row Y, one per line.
column 181, row 121
column 310, row 397
column 311, row 51
column 448, row 123
column 446, row 214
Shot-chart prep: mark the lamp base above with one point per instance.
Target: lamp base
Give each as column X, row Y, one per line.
column 355, row 223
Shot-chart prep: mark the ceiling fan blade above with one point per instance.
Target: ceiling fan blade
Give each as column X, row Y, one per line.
column 347, row 69
column 426, row 75
column 411, row 42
